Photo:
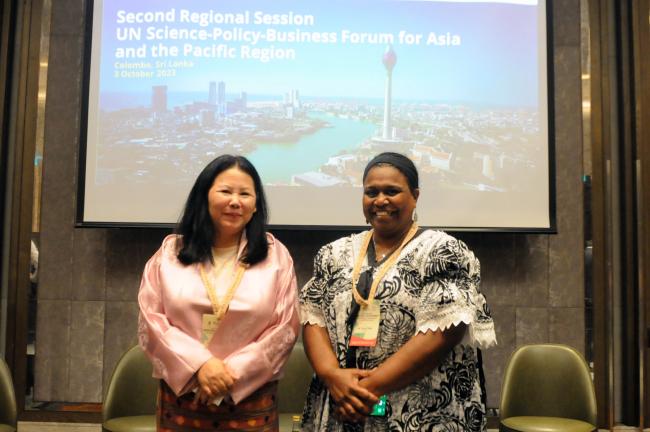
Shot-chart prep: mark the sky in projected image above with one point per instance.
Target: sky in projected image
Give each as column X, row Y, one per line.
column 309, row 91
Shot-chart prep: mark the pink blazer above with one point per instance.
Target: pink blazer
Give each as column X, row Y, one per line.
column 254, row 338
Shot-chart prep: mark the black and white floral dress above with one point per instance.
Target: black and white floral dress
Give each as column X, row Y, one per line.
column 433, row 285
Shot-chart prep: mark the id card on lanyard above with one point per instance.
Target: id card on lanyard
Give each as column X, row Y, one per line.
column 210, row 322
column 209, row 327
column 366, row 327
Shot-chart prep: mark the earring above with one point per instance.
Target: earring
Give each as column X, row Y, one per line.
column 414, row 215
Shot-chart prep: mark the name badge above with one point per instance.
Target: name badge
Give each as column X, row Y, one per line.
column 209, row 327
column 366, row 328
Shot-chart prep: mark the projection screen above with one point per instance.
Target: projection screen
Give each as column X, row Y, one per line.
column 309, row 91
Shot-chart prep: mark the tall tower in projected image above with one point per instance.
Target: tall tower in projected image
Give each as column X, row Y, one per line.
column 159, row 99
column 389, row 59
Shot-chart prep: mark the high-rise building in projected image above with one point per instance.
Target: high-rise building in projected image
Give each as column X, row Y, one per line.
column 159, row 99
column 221, row 107
column 212, row 95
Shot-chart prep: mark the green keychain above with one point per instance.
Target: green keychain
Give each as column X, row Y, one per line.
column 379, row 409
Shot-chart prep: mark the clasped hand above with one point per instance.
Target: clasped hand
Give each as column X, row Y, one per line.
column 215, row 380
column 353, row 402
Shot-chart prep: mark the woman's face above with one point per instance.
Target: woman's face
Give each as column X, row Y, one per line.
column 388, row 203
column 231, row 202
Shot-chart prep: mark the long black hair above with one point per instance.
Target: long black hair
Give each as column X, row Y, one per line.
column 197, row 228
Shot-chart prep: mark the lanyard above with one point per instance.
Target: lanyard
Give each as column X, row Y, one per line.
column 382, row 270
column 220, row 307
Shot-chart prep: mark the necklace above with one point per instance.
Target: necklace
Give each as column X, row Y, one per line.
column 381, row 257
column 382, row 270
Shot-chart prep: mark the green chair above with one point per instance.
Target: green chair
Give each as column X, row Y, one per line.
column 293, row 387
column 130, row 401
column 547, row 388
column 8, row 411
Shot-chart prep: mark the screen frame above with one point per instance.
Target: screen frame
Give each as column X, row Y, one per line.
column 81, row 163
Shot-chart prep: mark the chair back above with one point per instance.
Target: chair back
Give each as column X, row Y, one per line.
column 292, row 388
column 548, row 380
column 8, row 411
column 132, row 391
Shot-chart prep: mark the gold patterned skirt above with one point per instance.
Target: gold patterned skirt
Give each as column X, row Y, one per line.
column 256, row 413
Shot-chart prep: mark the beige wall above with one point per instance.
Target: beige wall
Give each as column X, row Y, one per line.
column 89, row 277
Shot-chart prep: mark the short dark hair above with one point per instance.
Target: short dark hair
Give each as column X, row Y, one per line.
column 196, row 226
column 398, row 161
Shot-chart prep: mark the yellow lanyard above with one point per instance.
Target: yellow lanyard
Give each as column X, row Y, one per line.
column 220, row 307
column 382, row 270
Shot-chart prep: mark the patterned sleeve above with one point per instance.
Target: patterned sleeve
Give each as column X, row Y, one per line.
column 312, row 294
column 263, row 360
column 451, row 295
column 174, row 354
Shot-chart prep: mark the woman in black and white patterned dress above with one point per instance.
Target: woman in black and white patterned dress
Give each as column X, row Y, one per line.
column 432, row 320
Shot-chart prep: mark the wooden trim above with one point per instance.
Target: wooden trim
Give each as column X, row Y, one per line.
column 7, row 9
column 626, row 206
column 641, row 36
column 7, row 24
column 16, row 117
column 61, row 416
column 600, row 130
column 20, row 212
column 620, row 114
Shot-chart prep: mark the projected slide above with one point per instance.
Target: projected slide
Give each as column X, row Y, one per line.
column 309, row 91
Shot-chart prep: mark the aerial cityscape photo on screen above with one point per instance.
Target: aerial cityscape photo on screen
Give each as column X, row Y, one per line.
column 309, row 91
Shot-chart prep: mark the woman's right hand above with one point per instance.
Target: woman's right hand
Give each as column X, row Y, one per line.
column 215, row 379
column 353, row 402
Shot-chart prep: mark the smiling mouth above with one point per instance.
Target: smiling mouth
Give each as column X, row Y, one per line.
column 383, row 213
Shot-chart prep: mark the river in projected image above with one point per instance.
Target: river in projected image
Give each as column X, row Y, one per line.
column 277, row 162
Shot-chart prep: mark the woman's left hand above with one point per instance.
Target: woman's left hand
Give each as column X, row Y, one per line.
column 353, row 402
column 415, row 359
column 215, row 380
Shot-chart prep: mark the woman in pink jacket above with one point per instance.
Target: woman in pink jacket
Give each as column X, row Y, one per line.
column 218, row 315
